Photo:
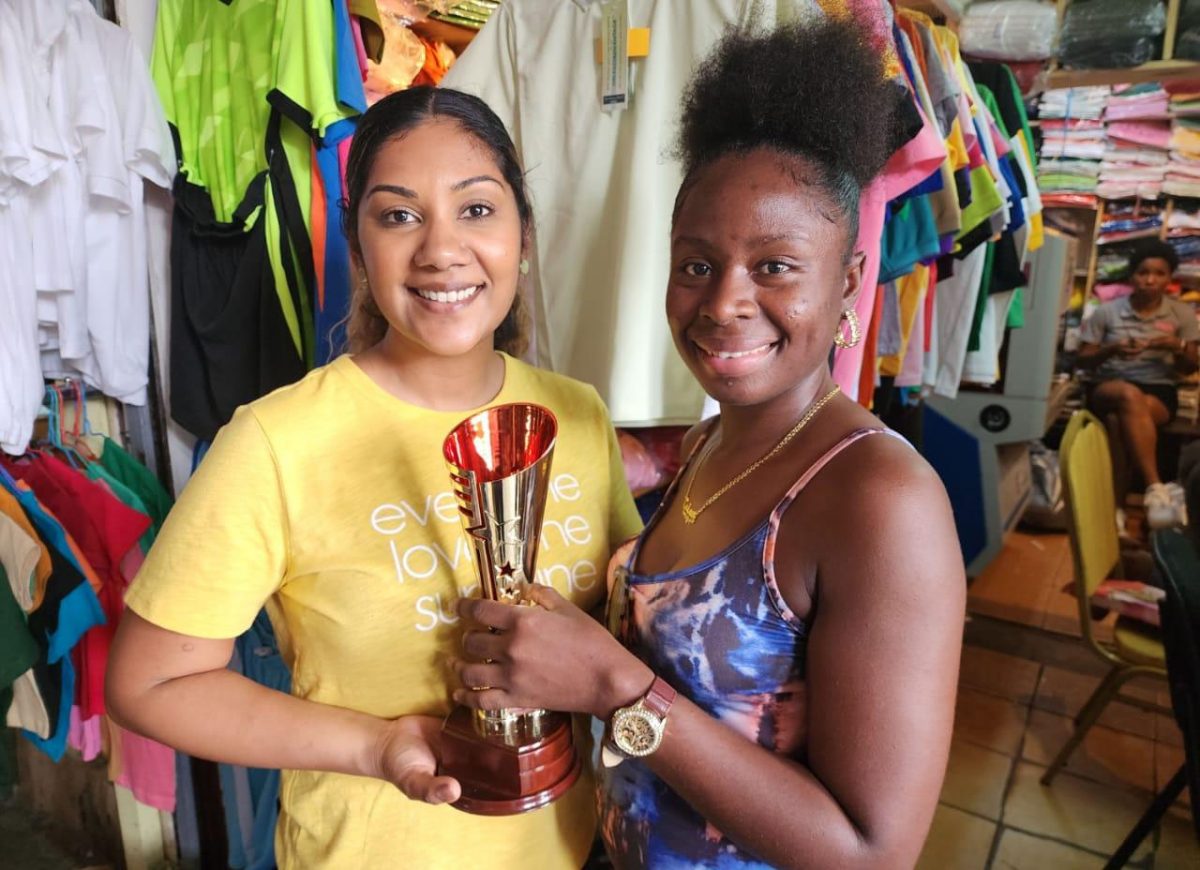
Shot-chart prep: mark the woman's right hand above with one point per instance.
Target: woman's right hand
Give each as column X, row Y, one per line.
column 406, row 755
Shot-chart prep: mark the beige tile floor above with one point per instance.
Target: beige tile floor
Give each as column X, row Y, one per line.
column 1012, row 716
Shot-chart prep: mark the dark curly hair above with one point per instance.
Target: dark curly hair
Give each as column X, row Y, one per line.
column 815, row 90
column 1147, row 249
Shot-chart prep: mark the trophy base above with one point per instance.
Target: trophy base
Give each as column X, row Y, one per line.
column 505, row 776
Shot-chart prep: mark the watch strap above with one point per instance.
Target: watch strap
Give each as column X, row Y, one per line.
column 659, row 698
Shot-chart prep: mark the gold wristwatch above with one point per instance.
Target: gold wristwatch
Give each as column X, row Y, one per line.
column 637, row 730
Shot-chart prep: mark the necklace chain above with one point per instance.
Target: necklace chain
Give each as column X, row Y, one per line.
column 690, row 513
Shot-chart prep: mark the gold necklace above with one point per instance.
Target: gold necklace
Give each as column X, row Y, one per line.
column 690, row 513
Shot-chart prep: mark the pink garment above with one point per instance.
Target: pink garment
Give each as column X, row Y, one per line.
column 1128, row 190
column 1071, row 124
column 915, row 161
column 84, row 734
column 147, row 768
column 1138, row 113
column 1155, row 135
column 1109, row 292
column 1133, row 173
column 344, row 156
column 1182, row 172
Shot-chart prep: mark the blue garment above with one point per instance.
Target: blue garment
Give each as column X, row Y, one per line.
column 328, row 317
column 251, row 795
column 56, row 744
column 79, row 610
column 57, row 633
column 350, row 91
column 910, row 236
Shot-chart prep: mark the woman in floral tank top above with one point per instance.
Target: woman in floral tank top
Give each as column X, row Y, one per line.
column 780, row 688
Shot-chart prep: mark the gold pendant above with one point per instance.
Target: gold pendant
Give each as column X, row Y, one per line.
column 689, row 512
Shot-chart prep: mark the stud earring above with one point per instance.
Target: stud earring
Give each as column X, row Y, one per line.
column 524, row 267
column 850, row 316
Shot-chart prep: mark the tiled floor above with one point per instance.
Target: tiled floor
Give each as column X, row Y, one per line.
column 1012, row 716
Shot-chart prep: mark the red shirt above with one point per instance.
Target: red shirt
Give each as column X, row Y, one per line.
column 105, row 530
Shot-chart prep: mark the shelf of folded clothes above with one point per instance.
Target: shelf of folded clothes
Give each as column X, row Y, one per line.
column 1183, row 234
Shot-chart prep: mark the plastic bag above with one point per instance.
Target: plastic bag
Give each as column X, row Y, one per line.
column 1047, row 509
column 1105, row 34
column 1187, row 46
column 1009, row 30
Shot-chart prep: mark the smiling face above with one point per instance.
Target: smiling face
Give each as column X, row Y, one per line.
column 440, row 239
column 759, row 277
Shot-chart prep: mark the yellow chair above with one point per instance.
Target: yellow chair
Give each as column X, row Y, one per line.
column 1136, row 650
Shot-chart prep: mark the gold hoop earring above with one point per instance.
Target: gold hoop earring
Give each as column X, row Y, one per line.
column 850, row 316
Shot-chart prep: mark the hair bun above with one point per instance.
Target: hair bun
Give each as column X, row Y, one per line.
column 815, row 89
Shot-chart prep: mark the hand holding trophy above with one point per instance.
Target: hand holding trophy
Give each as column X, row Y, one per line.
column 511, row 760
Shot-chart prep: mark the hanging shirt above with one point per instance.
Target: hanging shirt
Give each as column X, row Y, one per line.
column 68, row 611
column 31, row 152
column 106, row 530
column 13, row 517
column 221, row 71
column 118, row 311
column 361, row 563
column 139, row 479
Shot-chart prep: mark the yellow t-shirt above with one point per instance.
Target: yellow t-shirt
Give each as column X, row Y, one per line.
column 330, row 499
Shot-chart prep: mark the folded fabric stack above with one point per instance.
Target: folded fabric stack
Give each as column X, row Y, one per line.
column 1086, row 103
column 1067, row 176
column 1148, row 101
column 1183, row 171
column 1073, row 144
column 1122, row 229
column 1183, row 96
column 1079, row 139
column 1183, row 174
column 1189, row 403
column 1111, row 267
column 1136, row 124
column 1183, row 233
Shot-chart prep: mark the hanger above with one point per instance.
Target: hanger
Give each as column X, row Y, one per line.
column 81, row 419
column 54, row 395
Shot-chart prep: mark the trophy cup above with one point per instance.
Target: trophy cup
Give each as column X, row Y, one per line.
column 513, row 760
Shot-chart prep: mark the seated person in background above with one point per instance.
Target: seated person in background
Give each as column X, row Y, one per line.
column 1138, row 346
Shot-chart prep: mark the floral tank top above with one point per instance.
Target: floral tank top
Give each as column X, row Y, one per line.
column 721, row 634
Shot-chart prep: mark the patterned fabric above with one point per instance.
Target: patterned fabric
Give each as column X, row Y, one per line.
column 721, row 634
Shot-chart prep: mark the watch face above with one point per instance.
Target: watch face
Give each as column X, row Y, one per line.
column 636, row 732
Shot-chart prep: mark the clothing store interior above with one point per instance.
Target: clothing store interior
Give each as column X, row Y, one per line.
column 1018, row 304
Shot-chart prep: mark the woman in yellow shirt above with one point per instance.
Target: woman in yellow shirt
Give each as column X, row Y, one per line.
column 328, row 502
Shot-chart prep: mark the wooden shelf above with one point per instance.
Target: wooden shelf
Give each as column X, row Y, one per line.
column 1154, row 71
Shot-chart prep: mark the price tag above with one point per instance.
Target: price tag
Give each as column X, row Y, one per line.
column 614, row 55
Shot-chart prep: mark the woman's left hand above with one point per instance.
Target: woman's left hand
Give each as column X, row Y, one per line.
column 552, row 657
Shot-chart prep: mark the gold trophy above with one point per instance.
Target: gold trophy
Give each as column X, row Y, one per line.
column 513, row 760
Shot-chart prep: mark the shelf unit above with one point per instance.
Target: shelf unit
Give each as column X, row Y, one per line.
column 1163, row 68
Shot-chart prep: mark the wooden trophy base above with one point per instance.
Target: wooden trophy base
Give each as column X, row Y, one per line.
column 504, row 776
